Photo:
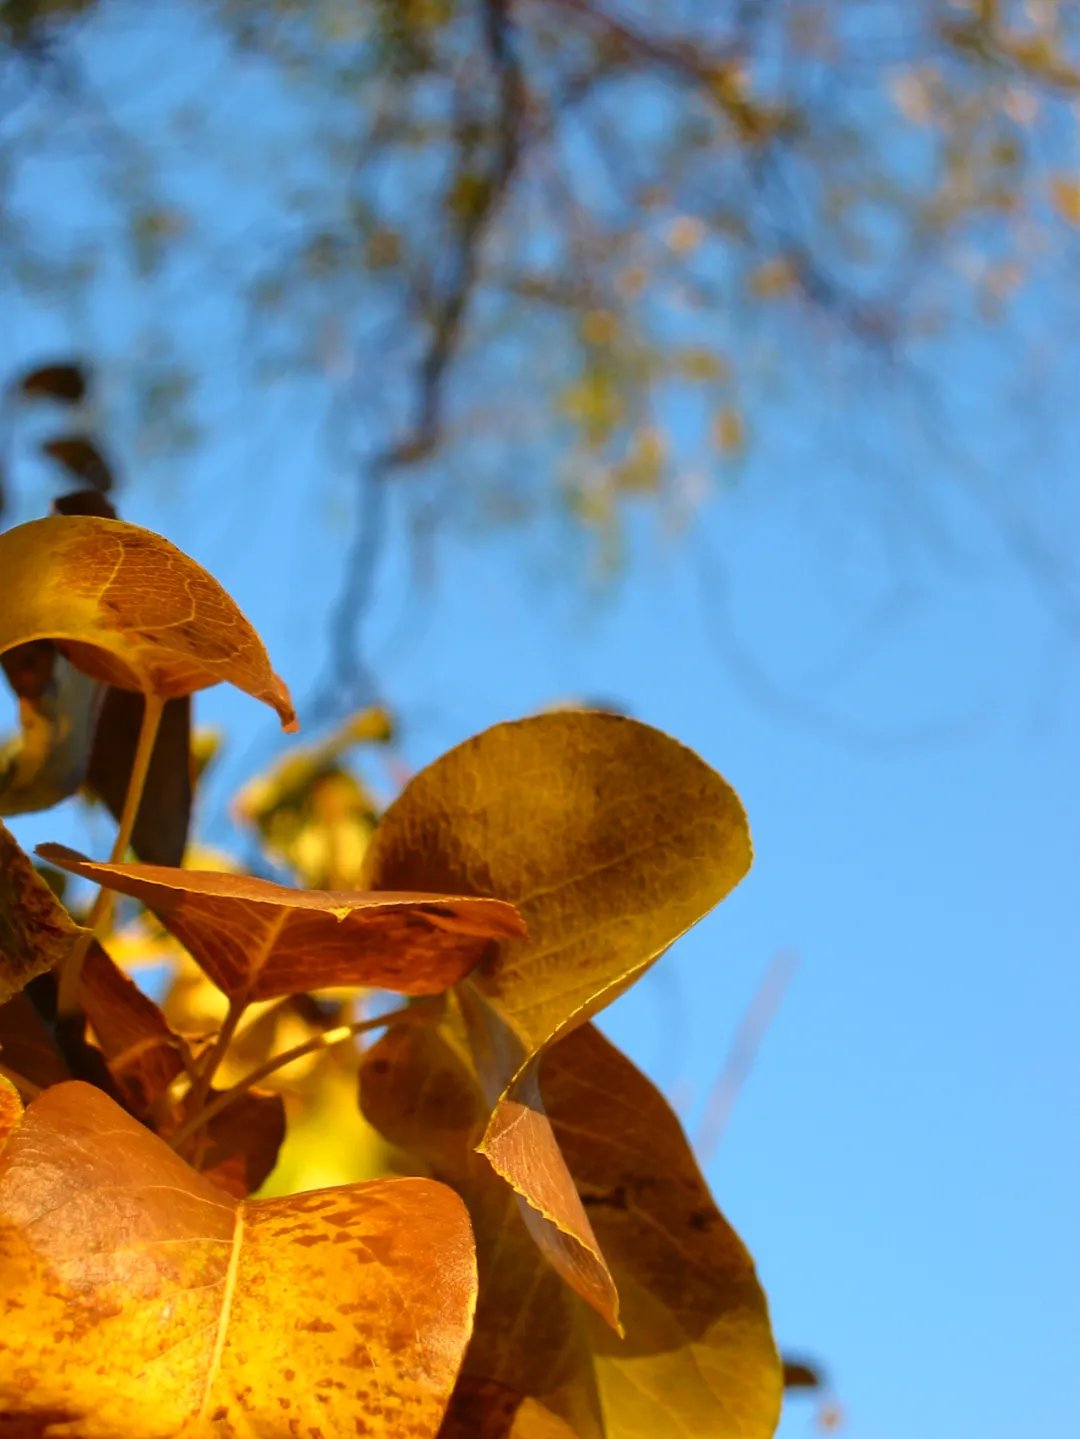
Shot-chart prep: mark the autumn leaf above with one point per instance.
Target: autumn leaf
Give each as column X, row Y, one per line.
column 258, row 940
column 129, row 609
column 237, row 1148
column 630, row 838
column 338, row 1311
column 697, row 1357
column 36, row 931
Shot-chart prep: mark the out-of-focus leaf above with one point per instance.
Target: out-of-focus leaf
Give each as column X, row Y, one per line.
column 84, row 502
column 311, row 813
column 36, row 931
column 801, row 1374
column 81, row 458
column 697, row 1358
column 129, row 609
column 630, row 839
column 344, row 1310
column 63, row 380
column 46, row 761
column 161, row 825
column 258, row 940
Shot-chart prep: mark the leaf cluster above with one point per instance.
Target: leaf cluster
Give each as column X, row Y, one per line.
column 532, row 1251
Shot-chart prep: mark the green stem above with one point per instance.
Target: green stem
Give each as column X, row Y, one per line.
column 101, row 913
column 329, row 1037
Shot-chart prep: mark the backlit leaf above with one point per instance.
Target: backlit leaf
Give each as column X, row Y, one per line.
column 258, row 940
column 36, row 931
column 698, row 1357
column 339, row 1311
column 612, row 839
column 130, row 609
column 239, row 1147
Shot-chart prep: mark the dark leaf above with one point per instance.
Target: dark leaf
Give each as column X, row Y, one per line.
column 80, row 457
column 65, row 380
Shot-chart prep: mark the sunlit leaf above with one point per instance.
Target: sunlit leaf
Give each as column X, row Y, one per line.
column 630, row 839
column 130, row 609
column 258, row 940
column 342, row 1310
column 698, row 1357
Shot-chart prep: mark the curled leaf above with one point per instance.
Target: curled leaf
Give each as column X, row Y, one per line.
column 58, row 708
column 341, row 1310
column 258, row 940
column 130, row 609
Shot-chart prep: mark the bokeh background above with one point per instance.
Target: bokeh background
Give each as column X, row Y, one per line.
column 713, row 362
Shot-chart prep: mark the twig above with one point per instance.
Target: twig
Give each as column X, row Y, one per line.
column 408, row 1013
column 100, row 914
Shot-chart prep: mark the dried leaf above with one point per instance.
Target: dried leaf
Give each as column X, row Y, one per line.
column 81, row 458
column 342, row 1310
column 258, row 940
column 698, row 1356
column 36, row 931
column 161, row 825
column 129, row 609
column 631, row 839
column 65, row 380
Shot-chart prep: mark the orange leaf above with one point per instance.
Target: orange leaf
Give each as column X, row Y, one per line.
column 238, row 1148
column 697, row 1357
column 129, row 609
column 138, row 1301
column 258, row 940
column 36, row 931
column 143, row 1054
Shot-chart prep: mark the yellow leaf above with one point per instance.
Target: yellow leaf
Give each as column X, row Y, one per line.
column 630, row 839
column 729, row 433
column 139, row 1301
column 129, row 609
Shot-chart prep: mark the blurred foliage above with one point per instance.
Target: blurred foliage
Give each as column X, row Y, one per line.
column 533, row 251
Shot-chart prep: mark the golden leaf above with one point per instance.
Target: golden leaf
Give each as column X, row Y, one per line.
column 630, row 839
column 129, row 609
column 342, row 1310
column 36, row 931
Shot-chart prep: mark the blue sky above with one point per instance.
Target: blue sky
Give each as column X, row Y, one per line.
column 853, row 641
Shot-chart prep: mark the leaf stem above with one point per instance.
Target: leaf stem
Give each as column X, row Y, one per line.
column 101, row 913
column 409, row 1013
